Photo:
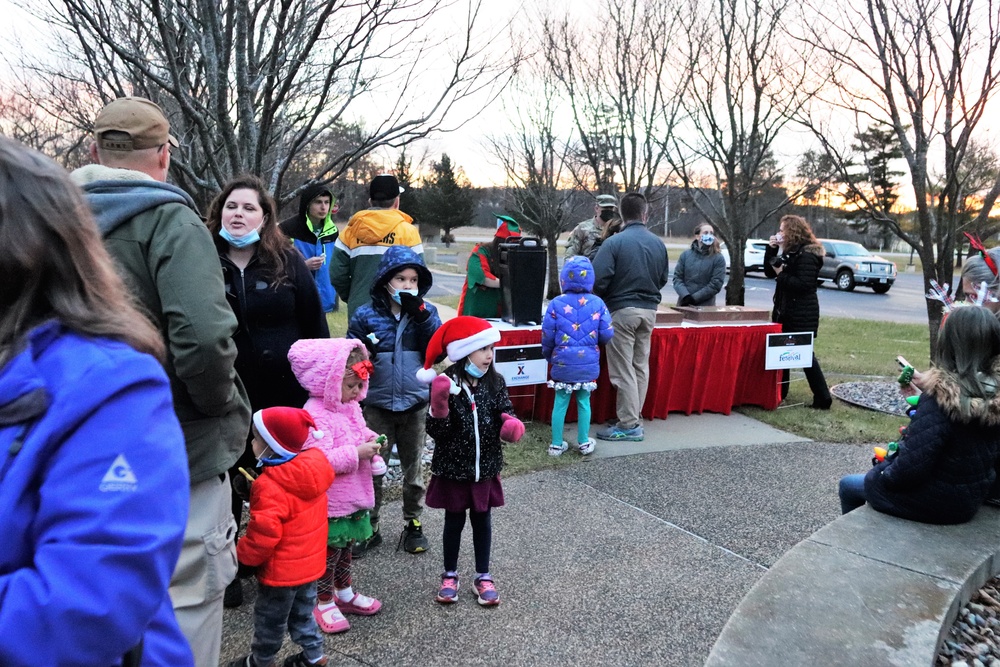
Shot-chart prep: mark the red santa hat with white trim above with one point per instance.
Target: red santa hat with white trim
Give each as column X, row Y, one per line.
column 285, row 430
column 458, row 338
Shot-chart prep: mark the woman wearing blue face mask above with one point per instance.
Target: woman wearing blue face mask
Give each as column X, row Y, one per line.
column 701, row 270
column 275, row 300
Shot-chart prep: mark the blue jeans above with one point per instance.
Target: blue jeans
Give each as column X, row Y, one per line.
column 852, row 492
column 278, row 607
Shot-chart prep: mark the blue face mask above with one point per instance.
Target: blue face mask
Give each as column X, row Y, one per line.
column 395, row 294
column 707, row 239
column 474, row 370
column 274, row 459
column 247, row 239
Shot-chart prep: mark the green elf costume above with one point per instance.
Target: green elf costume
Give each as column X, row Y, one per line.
column 481, row 295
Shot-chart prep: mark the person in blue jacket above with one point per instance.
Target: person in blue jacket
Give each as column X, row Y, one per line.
column 574, row 324
column 93, row 470
column 313, row 232
column 396, row 326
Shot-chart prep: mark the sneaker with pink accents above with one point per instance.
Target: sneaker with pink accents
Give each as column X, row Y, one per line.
column 330, row 619
column 448, row 592
column 486, row 592
column 361, row 605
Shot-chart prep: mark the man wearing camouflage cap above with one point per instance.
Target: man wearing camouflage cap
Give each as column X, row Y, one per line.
column 166, row 256
column 586, row 234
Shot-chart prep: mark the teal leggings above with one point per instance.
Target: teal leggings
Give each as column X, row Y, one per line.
column 582, row 415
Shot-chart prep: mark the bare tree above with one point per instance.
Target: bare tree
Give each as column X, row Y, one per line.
column 927, row 70
column 745, row 84
column 249, row 86
column 616, row 76
column 33, row 125
column 534, row 158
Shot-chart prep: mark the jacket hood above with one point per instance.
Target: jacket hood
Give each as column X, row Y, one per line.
column 311, row 193
column 118, row 195
column 577, row 275
column 319, row 365
column 960, row 407
column 700, row 247
column 374, row 224
column 307, row 476
column 23, row 393
column 814, row 248
column 395, row 259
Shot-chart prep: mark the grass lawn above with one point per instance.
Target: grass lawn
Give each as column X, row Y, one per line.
column 849, row 350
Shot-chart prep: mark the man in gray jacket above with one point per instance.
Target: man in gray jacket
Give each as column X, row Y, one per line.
column 630, row 269
column 165, row 255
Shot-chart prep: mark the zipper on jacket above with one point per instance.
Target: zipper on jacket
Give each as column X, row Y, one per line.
column 475, row 424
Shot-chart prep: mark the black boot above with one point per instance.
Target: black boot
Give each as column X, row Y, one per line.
column 233, row 597
column 361, row 548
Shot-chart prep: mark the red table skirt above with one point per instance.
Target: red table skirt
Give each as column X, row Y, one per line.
column 691, row 370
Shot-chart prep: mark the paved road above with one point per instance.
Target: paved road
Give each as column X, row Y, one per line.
column 903, row 303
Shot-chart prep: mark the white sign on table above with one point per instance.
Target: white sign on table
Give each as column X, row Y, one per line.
column 789, row 350
column 521, row 365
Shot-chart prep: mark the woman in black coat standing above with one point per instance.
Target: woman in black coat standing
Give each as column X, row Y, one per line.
column 275, row 300
column 793, row 258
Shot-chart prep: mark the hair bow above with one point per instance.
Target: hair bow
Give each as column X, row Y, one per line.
column 363, row 369
column 978, row 245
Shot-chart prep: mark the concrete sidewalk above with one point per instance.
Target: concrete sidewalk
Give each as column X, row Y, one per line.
column 634, row 559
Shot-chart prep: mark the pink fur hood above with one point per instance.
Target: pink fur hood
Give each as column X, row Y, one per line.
column 319, row 365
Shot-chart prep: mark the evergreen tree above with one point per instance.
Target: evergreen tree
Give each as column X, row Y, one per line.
column 447, row 200
column 872, row 183
column 409, row 201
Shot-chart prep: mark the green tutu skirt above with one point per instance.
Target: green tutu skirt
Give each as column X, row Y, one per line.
column 342, row 531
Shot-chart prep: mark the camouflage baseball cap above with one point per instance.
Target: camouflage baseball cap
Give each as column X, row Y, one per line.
column 607, row 201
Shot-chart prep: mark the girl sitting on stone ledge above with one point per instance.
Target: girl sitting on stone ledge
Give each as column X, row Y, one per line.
column 946, row 463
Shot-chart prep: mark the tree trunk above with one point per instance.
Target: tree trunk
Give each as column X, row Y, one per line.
column 554, row 288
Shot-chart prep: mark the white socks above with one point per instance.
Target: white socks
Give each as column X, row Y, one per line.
column 344, row 594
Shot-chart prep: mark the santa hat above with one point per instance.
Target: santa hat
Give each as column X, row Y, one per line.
column 458, row 338
column 507, row 227
column 285, row 430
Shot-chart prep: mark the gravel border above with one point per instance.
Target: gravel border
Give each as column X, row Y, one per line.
column 880, row 396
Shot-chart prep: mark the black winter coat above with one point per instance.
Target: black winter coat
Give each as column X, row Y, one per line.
column 458, row 455
column 270, row 320
column 796, row 306
column 946, row 465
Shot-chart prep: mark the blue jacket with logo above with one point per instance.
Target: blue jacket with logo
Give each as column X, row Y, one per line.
column 575, row 323
column 402, row 344
column 93, row 504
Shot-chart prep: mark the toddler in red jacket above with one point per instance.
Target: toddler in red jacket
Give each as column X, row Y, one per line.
column 285, row 540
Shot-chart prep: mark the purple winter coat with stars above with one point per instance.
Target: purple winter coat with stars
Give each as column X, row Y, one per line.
column 575, row 323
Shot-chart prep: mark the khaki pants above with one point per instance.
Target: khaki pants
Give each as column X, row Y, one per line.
column 206, row 566
column 628, row 361
column 407, row 430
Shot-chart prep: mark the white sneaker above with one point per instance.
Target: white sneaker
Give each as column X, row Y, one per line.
column 557, row 450
column 587, row 447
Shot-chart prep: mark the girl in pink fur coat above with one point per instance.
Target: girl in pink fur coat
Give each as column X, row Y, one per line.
column 335, row 373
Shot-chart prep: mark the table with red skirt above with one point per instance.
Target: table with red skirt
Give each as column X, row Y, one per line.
column 692, row 369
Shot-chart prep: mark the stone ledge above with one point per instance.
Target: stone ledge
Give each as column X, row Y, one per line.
column 866, row 589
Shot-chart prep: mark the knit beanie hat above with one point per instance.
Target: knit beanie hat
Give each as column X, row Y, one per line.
column 507, row 227
column 285, row 430
column 458, row 338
